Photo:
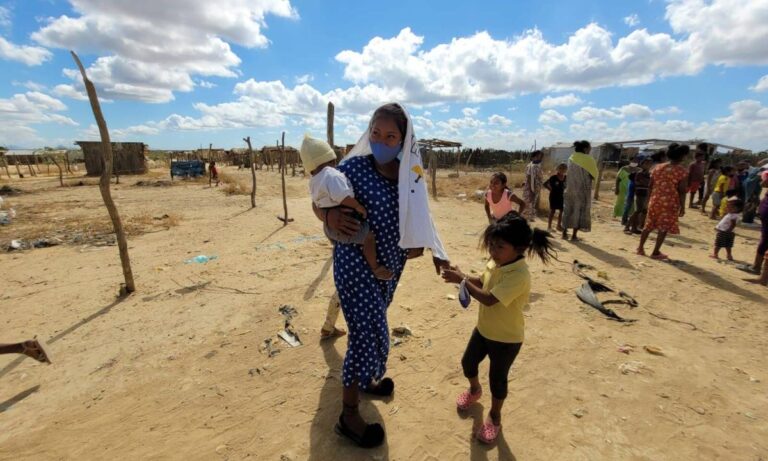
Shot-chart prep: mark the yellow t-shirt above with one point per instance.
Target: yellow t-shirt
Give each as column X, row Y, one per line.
column 511, row 285
column 721, row 184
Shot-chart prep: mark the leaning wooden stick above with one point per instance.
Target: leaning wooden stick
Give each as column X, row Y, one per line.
column 283, row 168
column 253, row 171
column 106, row 173
column 61, row 176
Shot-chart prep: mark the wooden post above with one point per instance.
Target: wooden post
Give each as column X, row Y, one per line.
column 106, row 173
column 66, row 162
column 18, row 170
column 433, row 172
column 458, row 161
column 284, row 218
column 329, row 128
column 600, row 167
column 247, row 140
column 37, row 163
column 31, row 171
column 5, row 165
column 61, row 174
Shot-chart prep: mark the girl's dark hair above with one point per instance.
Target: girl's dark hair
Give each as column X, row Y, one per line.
column 738, row 204
column 581, row 146
column 677, row 152
column 536, row 153
column 514, row 230
column 394, row 112
column 659, row 155
column 726, row 170
column 715, row 163
column 563, row 166
column 500, row 176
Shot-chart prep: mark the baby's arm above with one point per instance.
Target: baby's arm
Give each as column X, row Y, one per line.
column 351, row 202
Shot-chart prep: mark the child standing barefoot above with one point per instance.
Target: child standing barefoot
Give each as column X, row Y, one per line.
column 502, row 291
column 725, row 234
column 556, row 187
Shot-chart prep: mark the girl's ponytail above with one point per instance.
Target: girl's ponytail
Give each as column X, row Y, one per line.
column 541, row 246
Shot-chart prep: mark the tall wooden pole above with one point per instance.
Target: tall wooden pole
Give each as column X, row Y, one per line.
column 106, row 173
column 433, row 172
column 458, row 161
column 599, row 179
column 284, row 218
column 253, row 171
column 61, row 176
column 5, row 165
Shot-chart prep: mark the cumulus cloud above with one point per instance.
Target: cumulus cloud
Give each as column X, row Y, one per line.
column 70, row 91
column 306, row 78
column 551, row 117
column 470, row 111
column 5, row 18
column 729, row 32
column 569, row 99
column 29, row 55
column 496, row 119
column 632, row 20
column 761, row 85
column 154, row 48
column 21, row 111
column 628, row 110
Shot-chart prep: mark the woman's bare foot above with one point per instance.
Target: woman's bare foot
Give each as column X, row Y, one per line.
column 382, row 273
column 336, row 333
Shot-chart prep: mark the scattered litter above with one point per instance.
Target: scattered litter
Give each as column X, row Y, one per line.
column 626, row 348
column 603, row 275
column 16, row 245
column 201, row 259
column 397, row 342
column 403, row 358
column 269, row 348
column 579, row 412
column 254, row 372
column 402, row 331
column 653, row 350
column 451, row 297
column 394, row 410
column 6, row 217
column 632, row 367
column 479, row 193
column 289, row 336
column 462, row 195
column 587, row 294
column 46, row 243
column 288, row 311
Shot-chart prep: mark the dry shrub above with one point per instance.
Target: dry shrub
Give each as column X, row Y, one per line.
column 232, row 185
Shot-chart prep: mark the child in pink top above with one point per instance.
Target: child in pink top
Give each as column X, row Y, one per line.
column 499, row 198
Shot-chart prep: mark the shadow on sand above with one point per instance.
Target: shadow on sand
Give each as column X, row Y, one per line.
column 103, row 311
column 324, row 443
column 604, row 256
column 4, row 406
column 712, row 279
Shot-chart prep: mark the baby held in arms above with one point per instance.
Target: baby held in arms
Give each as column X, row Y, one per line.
column 331, row 189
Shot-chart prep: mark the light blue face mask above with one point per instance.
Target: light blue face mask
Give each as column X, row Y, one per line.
column 384, row 153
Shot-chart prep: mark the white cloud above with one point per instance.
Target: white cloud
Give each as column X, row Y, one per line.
column 591, row 113
column 30, row 85
column 33, row 107
column 761, row 85
column 632, row 20
column 306, row 78
column 206, row 84
column 470, row 111
column 668, row 110
column 154, row 48
column 5, row 18
column 635, row 110
column 626, row 111
column 496, row 119
column 551, row 116
column 729, row 32
column 69, row 91
column 569, row 99
column 29, row 55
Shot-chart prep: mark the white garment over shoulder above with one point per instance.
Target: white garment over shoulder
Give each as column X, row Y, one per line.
column 417, row 230
column 329, row 187
column 725, row 223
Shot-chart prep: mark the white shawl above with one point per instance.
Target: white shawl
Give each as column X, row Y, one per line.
column 417, row 230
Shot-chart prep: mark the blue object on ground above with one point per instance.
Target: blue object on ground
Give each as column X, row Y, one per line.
column 187, row 168
column 200, row 259
column 464, row 298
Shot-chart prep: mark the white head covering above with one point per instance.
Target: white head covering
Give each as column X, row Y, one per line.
column 417, row 230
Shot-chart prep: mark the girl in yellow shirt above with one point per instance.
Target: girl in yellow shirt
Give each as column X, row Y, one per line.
column 502, row 291
column 718, row 194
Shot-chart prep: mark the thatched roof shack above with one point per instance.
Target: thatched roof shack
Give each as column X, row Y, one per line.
column 127, row 157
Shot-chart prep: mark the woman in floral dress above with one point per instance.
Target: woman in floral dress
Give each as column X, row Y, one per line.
column 669, row 183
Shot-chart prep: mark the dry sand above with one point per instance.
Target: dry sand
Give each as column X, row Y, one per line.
column 177, row 370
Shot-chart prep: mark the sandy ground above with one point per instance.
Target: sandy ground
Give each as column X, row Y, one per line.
column 178, row 369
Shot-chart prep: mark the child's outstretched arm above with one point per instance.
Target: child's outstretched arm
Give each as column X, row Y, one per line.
column 488, row 210
column 351, row 202
column 474, row 285
column 515, row 199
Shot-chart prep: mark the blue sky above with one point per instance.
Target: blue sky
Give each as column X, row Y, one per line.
column 180, row 74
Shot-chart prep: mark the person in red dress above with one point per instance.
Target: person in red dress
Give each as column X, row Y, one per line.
column 669, row 184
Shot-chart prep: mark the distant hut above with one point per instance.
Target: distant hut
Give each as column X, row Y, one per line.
column 128, row 157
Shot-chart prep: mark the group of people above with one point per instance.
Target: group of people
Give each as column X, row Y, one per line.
column 374, row 207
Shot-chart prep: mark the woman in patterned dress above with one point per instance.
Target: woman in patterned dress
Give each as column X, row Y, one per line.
column 669, row 184
column 534, row 179
column 374, row 170
column 582, row 171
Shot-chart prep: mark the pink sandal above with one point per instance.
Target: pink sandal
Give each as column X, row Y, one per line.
column 488, row 432
column 466, row 399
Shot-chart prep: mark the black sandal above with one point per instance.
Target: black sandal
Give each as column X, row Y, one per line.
column 372, row 436
column 385, row 388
